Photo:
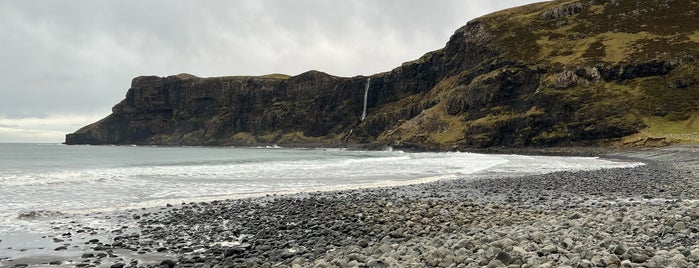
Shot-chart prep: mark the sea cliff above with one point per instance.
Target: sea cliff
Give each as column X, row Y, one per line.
column 555, row 73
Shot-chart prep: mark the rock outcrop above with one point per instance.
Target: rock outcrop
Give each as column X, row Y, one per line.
column 553, row 73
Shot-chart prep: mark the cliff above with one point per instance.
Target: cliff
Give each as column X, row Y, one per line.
column 554, row 73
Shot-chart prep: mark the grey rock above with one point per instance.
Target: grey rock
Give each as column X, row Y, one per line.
column 503, row 243
column 504, row 258
column 620, row 249
column 167, row 263
column 575, row 216
column 549, row 249
column 639, row 258
column 585, row 264
column 658, row 261
column 356, row 257
column 680, row 226
column 568, row 242
column 377, row 264
column 495, row 263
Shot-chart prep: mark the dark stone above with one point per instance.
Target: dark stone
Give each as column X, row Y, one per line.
column 363, row 243
column 87, row 255
column 377, row 264
column 504, row 257
column 639, row 258
column 620, row 249
column 168, row 263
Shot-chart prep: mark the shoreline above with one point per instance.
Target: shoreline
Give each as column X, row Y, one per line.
column 528, row 221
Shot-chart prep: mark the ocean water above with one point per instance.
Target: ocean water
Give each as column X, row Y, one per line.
column 55, row 179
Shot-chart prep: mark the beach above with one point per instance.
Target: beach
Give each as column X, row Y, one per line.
column 647, row 216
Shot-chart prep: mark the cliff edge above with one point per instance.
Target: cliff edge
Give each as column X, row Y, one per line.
column 567, row 72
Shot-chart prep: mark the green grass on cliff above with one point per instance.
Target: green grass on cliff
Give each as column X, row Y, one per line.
column 276, row 76
column 604, row 32
column 674, row 127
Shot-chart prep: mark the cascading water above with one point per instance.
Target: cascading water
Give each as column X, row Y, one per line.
column 366, row 94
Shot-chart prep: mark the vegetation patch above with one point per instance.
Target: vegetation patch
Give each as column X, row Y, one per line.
column 453, row 133
column 276, row 76
column 694, row 37
column 563, row 51
column 619, row 45
column 672, row 126
column 244, row 138
column 297, row 137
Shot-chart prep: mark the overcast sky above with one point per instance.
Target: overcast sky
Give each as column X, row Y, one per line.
column 64, row 64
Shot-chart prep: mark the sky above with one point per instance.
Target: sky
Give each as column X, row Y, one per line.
column 64, row 64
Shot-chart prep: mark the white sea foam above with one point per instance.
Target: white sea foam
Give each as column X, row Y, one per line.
column 103, row 178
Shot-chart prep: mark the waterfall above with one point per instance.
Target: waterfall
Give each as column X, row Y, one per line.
column 366, row 94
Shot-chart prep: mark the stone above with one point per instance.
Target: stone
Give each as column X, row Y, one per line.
column 693, row 214
column 658, row 261
column 575, row 216
column 619, row 249
column 495, row 263
column 598, row 261
column 356, row 257
column 234, row 251
column 680, row 226
column 568, row 243
column 639, row 258
column 504, row 258
column 168, row 263
column 118, row 265
column 503, row 244
column 377, row 264
column 549, row 249
column 626, row 264
column 585, row 264
column 363, row 243
column 679, row 262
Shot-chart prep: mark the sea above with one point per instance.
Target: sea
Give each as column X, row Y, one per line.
column 55, row 179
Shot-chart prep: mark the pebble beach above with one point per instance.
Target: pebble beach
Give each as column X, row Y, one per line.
column 646, row 216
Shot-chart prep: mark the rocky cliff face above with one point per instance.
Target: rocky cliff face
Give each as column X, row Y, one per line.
column 561, row 72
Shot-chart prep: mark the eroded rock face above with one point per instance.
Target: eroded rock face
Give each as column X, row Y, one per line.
column 511, row 78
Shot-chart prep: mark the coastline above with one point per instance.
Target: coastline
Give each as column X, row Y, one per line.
column 643, row 216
